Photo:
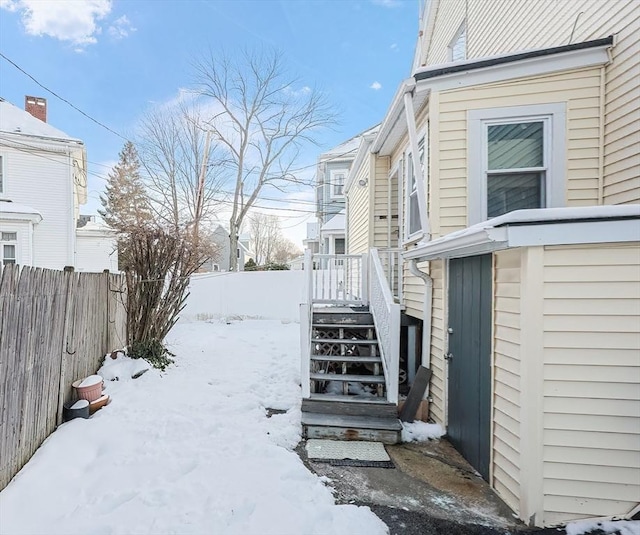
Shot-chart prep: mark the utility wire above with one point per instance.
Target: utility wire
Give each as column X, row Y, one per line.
column 62, row 98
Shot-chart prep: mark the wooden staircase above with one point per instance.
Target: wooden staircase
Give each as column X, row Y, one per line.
column 347, row 384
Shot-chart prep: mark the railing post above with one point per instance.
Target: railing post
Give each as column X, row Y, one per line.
column 308, row 269
column 364, row 269
column 395, row 353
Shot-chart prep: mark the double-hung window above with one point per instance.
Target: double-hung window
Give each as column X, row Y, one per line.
column 413, row 221
column 337, row 183
column 9, row 240
column 516, row 166
column 516, row 159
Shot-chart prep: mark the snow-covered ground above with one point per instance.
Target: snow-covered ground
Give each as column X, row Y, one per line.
column 189, row 451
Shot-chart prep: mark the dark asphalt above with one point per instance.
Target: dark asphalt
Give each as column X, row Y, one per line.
column 401, row 522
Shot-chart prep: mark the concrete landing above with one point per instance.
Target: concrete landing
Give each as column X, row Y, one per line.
column 432, row 486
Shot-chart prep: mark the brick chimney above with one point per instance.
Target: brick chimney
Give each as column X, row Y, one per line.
column 36, row 106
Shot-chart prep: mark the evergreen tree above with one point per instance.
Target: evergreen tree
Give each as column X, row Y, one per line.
column 125, row 201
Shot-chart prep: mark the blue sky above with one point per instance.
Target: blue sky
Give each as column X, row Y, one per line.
column 116, row 59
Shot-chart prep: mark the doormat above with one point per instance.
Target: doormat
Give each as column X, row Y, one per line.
column 349, row 453
column 351, row 462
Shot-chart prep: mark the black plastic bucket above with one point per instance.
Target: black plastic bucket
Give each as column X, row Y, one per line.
column 69, row 413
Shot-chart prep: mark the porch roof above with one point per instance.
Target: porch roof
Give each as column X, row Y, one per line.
column 536, row 227
column 13, row 211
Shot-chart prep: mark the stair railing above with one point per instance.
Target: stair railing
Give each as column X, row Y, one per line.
column 391, row 260
column 386, row 316
column 338, row 279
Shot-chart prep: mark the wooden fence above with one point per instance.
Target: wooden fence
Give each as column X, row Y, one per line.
column 55, row 327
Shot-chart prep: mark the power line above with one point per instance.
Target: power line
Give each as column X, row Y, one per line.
column 62, row 98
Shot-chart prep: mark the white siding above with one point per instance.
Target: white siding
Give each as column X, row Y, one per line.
column 506, row 377
column 591, row 381
column 96, row 253
column 42, row 180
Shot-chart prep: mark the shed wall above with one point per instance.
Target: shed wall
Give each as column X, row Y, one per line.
column 591, row 435
column 507, row 376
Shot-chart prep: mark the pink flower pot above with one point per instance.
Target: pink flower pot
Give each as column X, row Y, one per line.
column 91, row 390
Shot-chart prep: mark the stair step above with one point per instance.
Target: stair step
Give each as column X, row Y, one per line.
column 336, row 398
column 319, row 425
column 347, row 377
column 350, row 405
column 346, row 358
column 365, row 422
column 348, row 341
column 344, row 326
column 342, row 315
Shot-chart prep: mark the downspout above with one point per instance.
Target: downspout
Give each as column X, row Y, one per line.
column 426, row 323
column 601, row 139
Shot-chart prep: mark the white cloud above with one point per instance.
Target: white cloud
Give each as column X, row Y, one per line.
column 75, row 21
column 387, row 3
column 121, row 28
column 375, row 86
column 394, row 46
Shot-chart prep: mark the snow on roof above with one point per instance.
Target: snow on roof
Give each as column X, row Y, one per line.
column 337, row 222
column 14, row 120
column 350, row 146
column 487, row 231
column 93, row 228
column 8, row 207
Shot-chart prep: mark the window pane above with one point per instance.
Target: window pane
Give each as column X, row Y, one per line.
column 512, row 146
column 414, row 214
column 339, row 244
column 508, row 192
column 459, row 46
column 9, row 236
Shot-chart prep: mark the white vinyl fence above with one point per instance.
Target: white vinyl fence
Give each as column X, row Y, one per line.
column 254, row 294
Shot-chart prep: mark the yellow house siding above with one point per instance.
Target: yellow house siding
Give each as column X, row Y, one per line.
column 412, row 293
column 438, row 344
column 591, row 436
column 359, row 212
column 506, row 377
column 495, row 27
column 450, row 15
column 622, row 114
column 381, row 205
column 580, row 90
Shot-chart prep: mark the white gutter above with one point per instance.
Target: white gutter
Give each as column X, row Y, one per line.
column 393, row 114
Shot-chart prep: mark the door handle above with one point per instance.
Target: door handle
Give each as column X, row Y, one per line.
column 448, row 356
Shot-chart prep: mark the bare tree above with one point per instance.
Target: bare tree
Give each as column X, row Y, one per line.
column 261, row 120
column 284, row 251
column 265, row 234
column 182, row 167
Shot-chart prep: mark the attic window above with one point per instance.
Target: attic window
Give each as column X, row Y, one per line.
column 458, row 45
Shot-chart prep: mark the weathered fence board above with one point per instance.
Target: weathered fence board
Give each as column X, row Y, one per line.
column 55, row 328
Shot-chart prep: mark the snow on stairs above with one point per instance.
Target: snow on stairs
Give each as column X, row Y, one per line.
column 347, row 399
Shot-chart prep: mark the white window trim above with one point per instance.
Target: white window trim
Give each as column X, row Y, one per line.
column 462, row 29
column 332, row 182
column 407, row 237
column 15, row 243
column 554, row 147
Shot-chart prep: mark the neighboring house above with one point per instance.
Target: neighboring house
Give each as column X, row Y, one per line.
column 96, row 246
column 296, row 263
column 222, row 243
column 43, row 182
column 327, row 236
column 507, row 174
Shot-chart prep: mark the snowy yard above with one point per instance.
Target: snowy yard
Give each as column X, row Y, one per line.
column 189, row 451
